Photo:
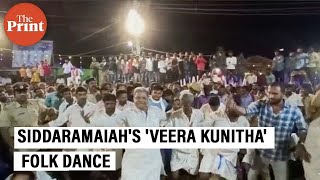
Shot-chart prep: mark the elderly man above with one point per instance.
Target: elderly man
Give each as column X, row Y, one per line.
column 142, row 163
column 186, row 159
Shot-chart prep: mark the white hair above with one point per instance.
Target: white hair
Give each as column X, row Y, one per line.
column 140, row 90
column 185, row 93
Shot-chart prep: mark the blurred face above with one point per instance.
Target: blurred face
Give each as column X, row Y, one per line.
column 276, row 53
column 124, row 88
column 40, row 93
column 81, row 97
column 141, row 100
column 162, row 56
column 176, row 88
column 93, row 85
column 261, row 95
column 21, row 177
column 299, row 50
column 214, row 108
column 3, row 97
column 156, row 94
column 67, row 95
column 104, row 92
column 243, row 91
column 110, row 106
column 176, row 105
column 303, row 92
column 231, row 113
column 66, row 61
column 187, row 100
column 288, row 91
column 21, row 96
column 275, row 95
column 230, row 53
column 9, row 89
column 123, row 99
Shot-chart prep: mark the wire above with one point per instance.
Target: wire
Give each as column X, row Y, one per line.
column 100, row 30
column 239, row 10
column 240, row 14
column 97, row 50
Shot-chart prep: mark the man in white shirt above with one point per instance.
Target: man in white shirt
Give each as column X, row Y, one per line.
column 149, row 68
column 162, row 69
column 250, row 78
column 291, row 98
column 231, row 61
column 78, row 114
column 68, row 100
column 122, row 101
column 142, row 163
column 107, row 117
column 67, row 67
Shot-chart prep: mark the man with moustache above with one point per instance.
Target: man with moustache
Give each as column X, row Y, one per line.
column 142, row 163
column 92, row 90
column 284, row 118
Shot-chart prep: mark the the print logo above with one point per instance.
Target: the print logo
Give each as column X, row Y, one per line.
column 25, row 24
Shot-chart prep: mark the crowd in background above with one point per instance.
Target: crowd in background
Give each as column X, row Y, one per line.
column 179, row 90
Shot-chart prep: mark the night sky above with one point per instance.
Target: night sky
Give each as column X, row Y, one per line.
column 243, row 26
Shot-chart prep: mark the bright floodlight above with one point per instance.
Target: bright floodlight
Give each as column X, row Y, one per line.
column 134, row 23
column 130, row 43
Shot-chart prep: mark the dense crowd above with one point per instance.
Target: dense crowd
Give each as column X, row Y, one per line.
column 174, row 90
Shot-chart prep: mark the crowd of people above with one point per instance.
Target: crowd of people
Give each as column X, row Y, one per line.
column 174, row 90
column 297, row 68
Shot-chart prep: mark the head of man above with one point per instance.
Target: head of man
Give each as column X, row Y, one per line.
column 176, row 87
column 93, row 85
column 289, row 90
column 306, row 89
column 176, row 104
column 140, row 98
column 122, row 97
column 230, row 53
column 21, row 92
column 67, row 95
column 107, row 87
column 186, row 99
column 81, row 95
column 243, row 91
column 109, row 101
column 275, row 94
column 121, row 86
column 59, row 90
column 39, row 92
column 3, row 97
column 276, row 53
column 9, row 88
column 214, row 103
column 23, row 175
column 156, row 92
column 207, row 88
column 168, row 95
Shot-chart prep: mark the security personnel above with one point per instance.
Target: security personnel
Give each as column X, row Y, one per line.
column 23, row 112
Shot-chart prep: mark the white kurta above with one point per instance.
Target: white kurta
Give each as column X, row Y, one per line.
column 73, row 117
column 142, row 164
column 187, row 159
column 222, row 161
column 101, row 119
column 312, row 144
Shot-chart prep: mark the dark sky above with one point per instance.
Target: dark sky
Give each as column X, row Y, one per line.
column 244, row 26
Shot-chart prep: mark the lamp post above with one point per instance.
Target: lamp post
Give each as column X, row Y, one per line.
column 135, row 27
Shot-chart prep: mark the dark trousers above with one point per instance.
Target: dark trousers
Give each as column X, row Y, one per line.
column 279, row 76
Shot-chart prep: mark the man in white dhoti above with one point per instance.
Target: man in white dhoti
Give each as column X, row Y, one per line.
column 222, row 162
column 185, row 159
column 142, row 164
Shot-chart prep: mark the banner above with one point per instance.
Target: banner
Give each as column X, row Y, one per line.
column 32, row 55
